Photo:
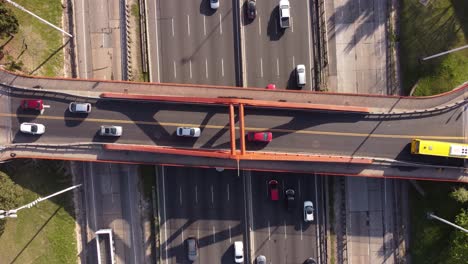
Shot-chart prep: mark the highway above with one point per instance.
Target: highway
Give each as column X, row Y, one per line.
column 272, row 53
column 154, row 123
column 196, row 44
column 204, row 204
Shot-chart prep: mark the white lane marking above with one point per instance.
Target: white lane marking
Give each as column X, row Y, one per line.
column 180, row 195
column 318, row 220
column 84, row 42
column 228, row 191
column 269, row 231
column 93, row 196
column 212, row 194
column 190, row 68
column 259, row 26
column 294, row 62
column 172, row 22
column 206, row 68
column 301, row 230
column 222, row 67
column 204, row 25
column 175, row 70
column 230, row 238
column 188, row 25
column 196, row 194
column 277, row 66
column 292, row 25
column 182, row 234
column 261, row 67
column 214, row 234
column 164, row 208
column 308, row 40
column 285, row 235
column 198, row 232
column 131, row 221
column 220, row 25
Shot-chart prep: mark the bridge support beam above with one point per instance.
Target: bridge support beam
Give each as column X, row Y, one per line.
column 232, row 128
column 242, row 128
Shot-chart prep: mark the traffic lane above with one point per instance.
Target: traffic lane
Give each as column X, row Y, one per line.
column 273, row 53
column 280, row 234
column 289, row 120
column 191, row 38
column 201, row 204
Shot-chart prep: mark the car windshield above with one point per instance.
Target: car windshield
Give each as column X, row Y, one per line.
column 110, row 130
column 73, row 107
column 192, row 132
column 300, row 70
column 33, row 128
column 309, row 210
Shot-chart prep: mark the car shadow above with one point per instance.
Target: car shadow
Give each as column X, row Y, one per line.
column 274, row 31
column 73, row 119
column 243, row 13
column 24, row 138
column 23, row 115
column 292, row 81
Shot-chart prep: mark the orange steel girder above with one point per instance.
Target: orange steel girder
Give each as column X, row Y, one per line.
column 232, row 128
column 242, row 128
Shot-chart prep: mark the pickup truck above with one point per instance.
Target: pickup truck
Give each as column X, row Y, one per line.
column 284, row 13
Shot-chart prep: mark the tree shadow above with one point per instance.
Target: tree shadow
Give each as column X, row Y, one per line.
column 50, row 57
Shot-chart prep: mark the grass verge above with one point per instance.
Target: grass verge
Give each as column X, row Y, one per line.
column 431, row 238
column 44, row 233
column 38, row 46
column 427, row 30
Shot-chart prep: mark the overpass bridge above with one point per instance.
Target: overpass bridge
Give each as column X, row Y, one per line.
column 326, row 133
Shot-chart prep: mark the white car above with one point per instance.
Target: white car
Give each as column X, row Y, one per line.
column 300, row 75
column 82, row 108
column 214, row 4
column 113, row 131
column 239, row 252
column 188, row 131
column 32, row 128
column 308, row 211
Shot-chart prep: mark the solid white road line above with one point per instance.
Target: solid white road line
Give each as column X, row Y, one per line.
column 259, row 26
column 293, row 62
column 182, row 233
column 277, row 66
column 180, row 195
column 261, row 67
column 222, row 67
column 228, row 191
column 206, row 68
column 230, row 237
column 310, row 47
column 285, row 235
column 129, row 186
column 292, row 24
column 93, row 196
column 190, row 68
column 188, row 25
column 172, row 22
column 198, row 232
column 175, row 70
column 204, row 25
column 212, row 194
column 214, row 234
column 269, row 231
column 220, row 25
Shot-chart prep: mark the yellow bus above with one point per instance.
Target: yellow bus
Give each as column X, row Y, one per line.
column 439, row 148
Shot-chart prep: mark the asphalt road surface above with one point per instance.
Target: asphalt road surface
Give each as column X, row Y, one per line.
column 196, row 44
column 204, row 204
column 281, row 235
column 272, row 53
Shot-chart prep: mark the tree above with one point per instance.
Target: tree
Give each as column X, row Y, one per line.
column 459, row 249
column 8, row 22
column 10, row 195
column 460, row 194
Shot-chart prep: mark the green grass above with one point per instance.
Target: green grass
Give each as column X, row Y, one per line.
column 37, row 45
column 430, row 239
column 44, row 233
column 440, row 26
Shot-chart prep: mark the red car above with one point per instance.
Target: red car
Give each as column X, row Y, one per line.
column 260, row 136
column 273, row 187
column 32, row 104
column 271, row 86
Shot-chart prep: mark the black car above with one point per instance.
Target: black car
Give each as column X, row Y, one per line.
column 251, row 9
column 310, row 261
column 290, row 198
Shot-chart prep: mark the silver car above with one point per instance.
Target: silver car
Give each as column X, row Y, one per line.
column 82, row 108
column 261, row 259
column 188, row 131
column 300, row 75
column 113, row 131
column 308, row 211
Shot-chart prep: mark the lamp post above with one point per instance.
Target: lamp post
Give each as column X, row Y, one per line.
column 13, row 213
column 431, row 215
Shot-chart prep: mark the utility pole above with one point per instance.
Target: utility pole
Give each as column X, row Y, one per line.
column 431, row 215
column 14, row 212
column 41, row 19
column 445, row 52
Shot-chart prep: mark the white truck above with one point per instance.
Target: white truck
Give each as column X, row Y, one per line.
column 284, row 13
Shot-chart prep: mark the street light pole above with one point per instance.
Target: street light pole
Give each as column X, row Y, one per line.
column 13, row 213
column 431, row 215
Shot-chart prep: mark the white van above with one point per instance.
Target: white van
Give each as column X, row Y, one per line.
column 239, row 252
